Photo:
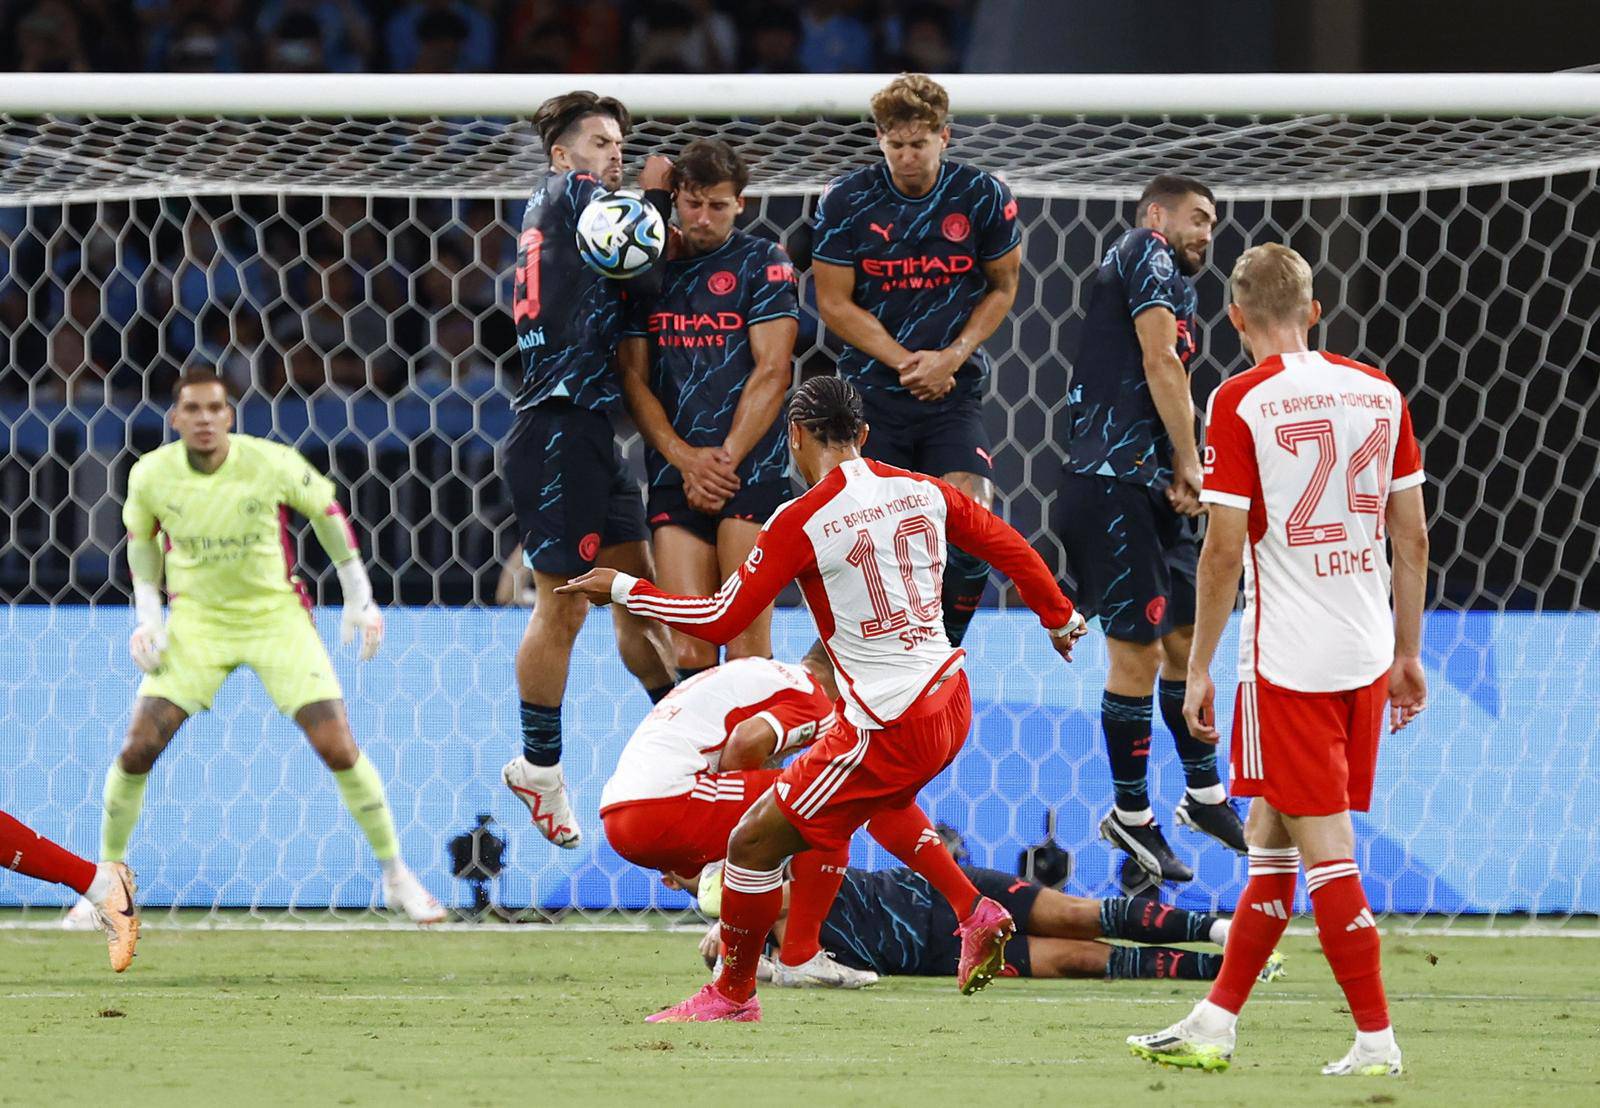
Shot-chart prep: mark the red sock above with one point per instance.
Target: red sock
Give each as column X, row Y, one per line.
column 1258, row 924
column 751, row 902
column 815, row 877
column 909, row 836
column 1349, row 937
column 28, row 852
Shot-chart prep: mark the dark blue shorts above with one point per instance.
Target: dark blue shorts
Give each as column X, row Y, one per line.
column 946, row 436
column 1016, row 895
column 569, row 487
column 668, row 507
column 1130, row 555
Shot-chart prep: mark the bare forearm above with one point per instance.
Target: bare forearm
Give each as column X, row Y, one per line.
column 1169, row 389
column 758, row 407
column 1410, row 583
column 861, row 329
column 991, row 311
column 1216, row 585
column 651, row 419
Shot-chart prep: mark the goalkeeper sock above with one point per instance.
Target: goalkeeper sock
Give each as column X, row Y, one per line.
column 361, row 789
column 1258, row 924
column 25, row 850
column 1150, row 921
column 965, row 578
column 684, row 673
column 1125, row 720
column 751, row 902
column 1199, row 758
column 1161, row 961
column 124, row 800
column 1349, row 937
column 541, row 734
column 815, row 877
column 657, row 694
column 909, row 836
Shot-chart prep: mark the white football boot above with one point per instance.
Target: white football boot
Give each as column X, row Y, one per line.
column 402, row 892
column 1368, row 1060
column 820, row 972
column 544, row 790
column 1191, row 1043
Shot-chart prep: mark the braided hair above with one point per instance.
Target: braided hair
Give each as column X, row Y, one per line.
column 830, row 409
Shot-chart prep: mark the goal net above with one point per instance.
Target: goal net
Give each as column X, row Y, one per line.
column 340, row 250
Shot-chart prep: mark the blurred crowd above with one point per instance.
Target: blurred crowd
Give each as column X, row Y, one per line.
column 484, row 36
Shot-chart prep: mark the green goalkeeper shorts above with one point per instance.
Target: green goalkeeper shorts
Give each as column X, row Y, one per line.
column 282, row 647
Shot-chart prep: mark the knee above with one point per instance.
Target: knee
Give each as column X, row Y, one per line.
column 1136, row 663
column 693, row 654
column 140, row 749
column 563, row 615
column 338, row 752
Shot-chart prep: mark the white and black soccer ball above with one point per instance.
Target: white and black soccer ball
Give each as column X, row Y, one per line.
column 620, row 234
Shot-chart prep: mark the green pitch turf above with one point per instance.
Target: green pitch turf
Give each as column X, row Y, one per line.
column 548, row 1016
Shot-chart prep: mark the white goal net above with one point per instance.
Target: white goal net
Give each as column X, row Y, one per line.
column 341, row 251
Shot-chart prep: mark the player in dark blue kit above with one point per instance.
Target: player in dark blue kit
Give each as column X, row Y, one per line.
column 1129, row 492
column 916, row 263
column 575, row 504
column 705, row 365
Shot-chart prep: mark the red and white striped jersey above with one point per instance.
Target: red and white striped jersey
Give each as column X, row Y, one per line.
column 678, row 747
column 867, row 544
column 1311, row 445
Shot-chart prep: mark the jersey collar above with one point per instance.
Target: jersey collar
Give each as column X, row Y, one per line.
column 888, row 182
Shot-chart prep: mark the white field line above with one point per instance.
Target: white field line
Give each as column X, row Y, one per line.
column 155, row 923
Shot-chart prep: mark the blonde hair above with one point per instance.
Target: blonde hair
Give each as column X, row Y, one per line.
column 911, row 98
column 1272, row 284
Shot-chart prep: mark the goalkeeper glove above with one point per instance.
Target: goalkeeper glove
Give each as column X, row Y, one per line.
column 361, row 615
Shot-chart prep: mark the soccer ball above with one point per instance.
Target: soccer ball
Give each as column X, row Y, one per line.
column 620, row 234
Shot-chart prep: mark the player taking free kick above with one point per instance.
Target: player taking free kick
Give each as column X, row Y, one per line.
column 1311, row 461
column 867, row 545
column 219, row 504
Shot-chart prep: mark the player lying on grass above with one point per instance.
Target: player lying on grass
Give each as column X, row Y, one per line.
column 210, row 513
column 890, row 922
column 866, row 545
column 695, row 765
column 107, row 888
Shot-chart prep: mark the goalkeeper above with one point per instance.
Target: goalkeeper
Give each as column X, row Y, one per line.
column 213, row 507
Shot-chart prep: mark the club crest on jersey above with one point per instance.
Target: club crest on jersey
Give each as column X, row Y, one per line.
column 1161, row 265
column 250, row 507
column 955, row 227
column 722, row 282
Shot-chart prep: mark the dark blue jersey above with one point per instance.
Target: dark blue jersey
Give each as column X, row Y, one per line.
column 700, row 355
column 1116, row 430
column 917, row 261
column 568, row 317
column 881, row 920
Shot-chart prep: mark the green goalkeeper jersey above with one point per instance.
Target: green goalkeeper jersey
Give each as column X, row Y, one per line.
column 228, row 550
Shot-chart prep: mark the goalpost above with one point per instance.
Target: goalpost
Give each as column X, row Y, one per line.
column 340, row 247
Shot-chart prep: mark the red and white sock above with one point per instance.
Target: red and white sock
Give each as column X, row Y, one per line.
column 751, row 903
column 814, row 880
column 1350, row 939
column 25, row 850
column 1258, row 924
column 909, row 836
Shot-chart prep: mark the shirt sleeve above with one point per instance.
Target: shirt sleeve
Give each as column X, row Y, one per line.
column 979, row 531
column 832, row 238
column 303, row 488
column 1153, row 280
column 781, row 553
column 996, row 216
column 1232, row 473
column 137, row 516
column 1407, row 454
column 774, row 286
column 797, row 717
column 578, row 188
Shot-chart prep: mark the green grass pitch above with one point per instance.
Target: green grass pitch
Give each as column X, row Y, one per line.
column 553, row 1016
